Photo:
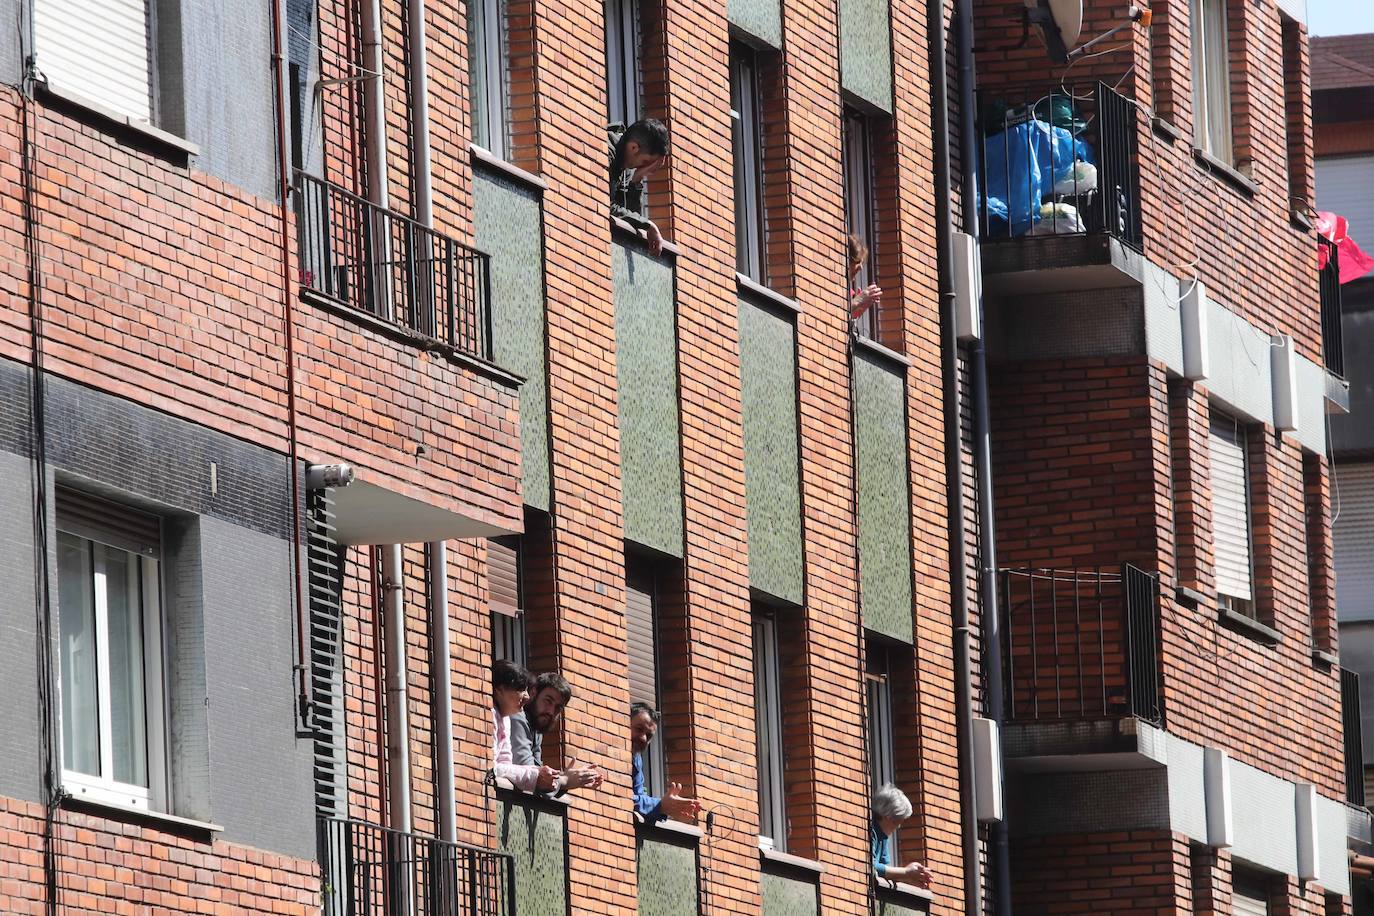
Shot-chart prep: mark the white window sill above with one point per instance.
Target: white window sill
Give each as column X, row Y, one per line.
column 122, row 121
column 505, row 785
column 668, row 825
column 910, row 891
column 131, row 812
column 489, row 159
column 754, row 288
column 772, row 856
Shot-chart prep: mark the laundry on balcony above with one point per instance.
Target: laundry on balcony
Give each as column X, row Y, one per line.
column 1037, row 167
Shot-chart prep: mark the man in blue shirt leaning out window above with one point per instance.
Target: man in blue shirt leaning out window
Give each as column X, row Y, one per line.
column 643, row 727
column 890, row 808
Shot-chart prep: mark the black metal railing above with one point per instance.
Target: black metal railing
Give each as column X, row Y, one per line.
column 368, row 870
column 1329, row 280
column 1081, row 644
column 1058, row 161
column 391, row 267
column 1354, row 738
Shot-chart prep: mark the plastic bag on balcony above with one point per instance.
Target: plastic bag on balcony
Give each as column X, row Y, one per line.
column 1058, row 219
column 1021, row 166
column 1078, row 178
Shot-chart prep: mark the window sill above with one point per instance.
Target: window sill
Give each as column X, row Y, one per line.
column 1166, row 130
column 691, row 832
column 1226, row 173
column 1301, row 220
column 773, row 857
column 872, row 346
column 1324, row 658
column 1247, row 626
column 128, row 813
column 909, row 891
column 757, row 290
column 142, row 134
column 485, row 157
column 625, row 227
column 1190, row 596
column 506, row 787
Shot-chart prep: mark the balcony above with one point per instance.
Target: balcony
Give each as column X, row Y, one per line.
column 1059, row 207
column 1080, row 652
column 386, row 266
column 368, row 870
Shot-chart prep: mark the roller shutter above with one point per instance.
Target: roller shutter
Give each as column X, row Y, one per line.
column 1231, row 507
column 1353, row 533
column 97, row 49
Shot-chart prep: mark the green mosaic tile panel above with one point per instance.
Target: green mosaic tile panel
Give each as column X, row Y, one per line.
column 785, row 896
column 761, row 19
column 866, row 51
column 667, row 877
column 509, row 225
column 884, row 495
column 646, row 373
column 768, row 369
column 535, row 835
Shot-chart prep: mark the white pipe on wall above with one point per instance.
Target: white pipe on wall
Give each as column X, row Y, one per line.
column 397, row 693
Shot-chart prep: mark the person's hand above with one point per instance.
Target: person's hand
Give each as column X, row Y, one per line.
column 548, row 779
column 655, row 240
column 645, row 171
column 865, row 299
column 579, row 776
column 679, row 807
column 915, row 872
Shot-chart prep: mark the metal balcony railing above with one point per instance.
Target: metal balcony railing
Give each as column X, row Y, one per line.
column 1058, row 161
column 389, row 266
column 1081, row 644
column 368, row 870
column 1333, row 345
column 1354, row 739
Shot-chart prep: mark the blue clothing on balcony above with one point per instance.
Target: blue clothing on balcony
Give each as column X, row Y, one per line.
column 646, row 805
column 880, row 845
column 1021, row 165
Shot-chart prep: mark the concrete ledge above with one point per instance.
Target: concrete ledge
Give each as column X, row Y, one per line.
column 625, row 227
column 1227, row 173
column 483, row 157
column 1248, row 626
column 157, row 140
column 128, row 814
column 506, row 791
column 905, row 894
column 783, row 860
column 754, row 290
column 883, row 353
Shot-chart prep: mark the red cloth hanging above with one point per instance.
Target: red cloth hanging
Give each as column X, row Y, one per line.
column 1354, row 263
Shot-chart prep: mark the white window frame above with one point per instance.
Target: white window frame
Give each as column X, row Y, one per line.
column 768, row 733
column 857, row 153
column 489, row 49
column 881, row 756
column 1228, row 433
column 104, row 788
column 747, row 140
column 623, row 61
column 1212, row 127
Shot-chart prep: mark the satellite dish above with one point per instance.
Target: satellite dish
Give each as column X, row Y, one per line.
column 1058, row 23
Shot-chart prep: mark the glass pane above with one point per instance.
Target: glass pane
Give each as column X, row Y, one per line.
column 76, row 654
column 477, row 38
column 124, row 610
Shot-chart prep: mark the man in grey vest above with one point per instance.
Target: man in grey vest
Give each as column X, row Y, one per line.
column 551, row 694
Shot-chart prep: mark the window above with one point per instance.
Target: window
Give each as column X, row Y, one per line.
column 101, row 51
column 641, row 623
column 768, row 733
column 622, row 61
column 1231, row 514
column 505, row 562
column 1249, row 893
column 110, row 652
column 880, row 751
column 1211, row 80
column 858, row 206
column 490, row 76
column 744, row 115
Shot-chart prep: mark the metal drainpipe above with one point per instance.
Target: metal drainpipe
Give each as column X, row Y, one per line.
column 954, row 489
column 374, row 98
column 397, row 694
column 417, row 66
column 999, row 853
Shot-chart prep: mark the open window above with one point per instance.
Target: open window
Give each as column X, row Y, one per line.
column 489, row 54
column 1212, row 128
column 768, row 731
column 505, row 586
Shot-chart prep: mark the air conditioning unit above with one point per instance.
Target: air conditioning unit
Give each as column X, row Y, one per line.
column 1193, row 314
column 1283, row 363
column 987, row 769
column 968, row 287
column 1216, row 778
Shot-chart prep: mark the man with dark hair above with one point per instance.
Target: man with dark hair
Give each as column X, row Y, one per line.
column 551, row 694
column 643, row 726
column 636, row 152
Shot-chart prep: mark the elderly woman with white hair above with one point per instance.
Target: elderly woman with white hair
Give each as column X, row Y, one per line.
column 890, row 808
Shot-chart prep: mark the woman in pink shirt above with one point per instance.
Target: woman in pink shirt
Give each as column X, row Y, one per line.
column 510, row 690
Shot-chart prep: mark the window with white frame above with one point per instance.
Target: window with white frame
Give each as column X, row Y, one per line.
column 1228, row 450
column 100, row 51
column 490, row 62
column 622, row 61
column 641, row 623
column 505, row 586
column 110, row 653
column 768, row 732
column 881, row 768
column 748, row 144
column 857, row 153
column 1211, row 79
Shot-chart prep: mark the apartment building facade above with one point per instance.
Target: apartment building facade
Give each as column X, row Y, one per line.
column 399, row 354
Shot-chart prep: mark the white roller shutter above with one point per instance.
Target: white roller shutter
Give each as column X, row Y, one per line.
column 1353, row 533
column 1230, row 507
column 1249, row 896
column 97, row 49
column 503, row 576
column 1345, row 185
